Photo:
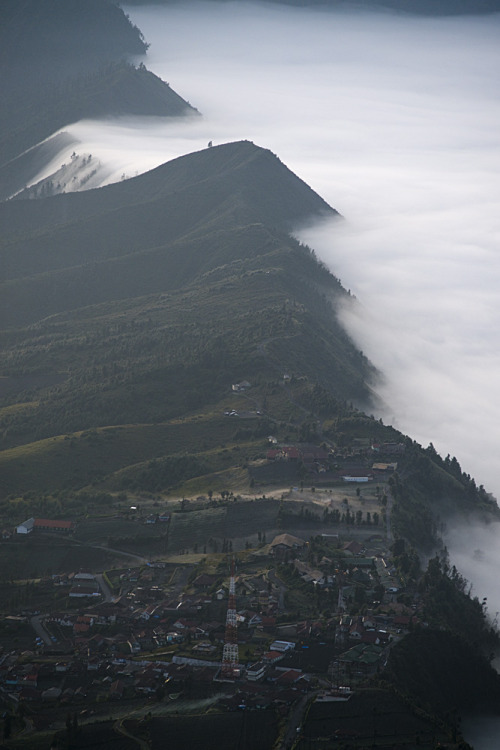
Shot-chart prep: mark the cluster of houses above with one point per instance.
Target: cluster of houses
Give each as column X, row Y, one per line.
column 102, row 658
column 144, row 643
column 341, row 465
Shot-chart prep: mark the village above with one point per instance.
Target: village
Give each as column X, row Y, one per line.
column 314, row 616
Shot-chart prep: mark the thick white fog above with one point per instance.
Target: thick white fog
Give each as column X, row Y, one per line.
column 395, row 121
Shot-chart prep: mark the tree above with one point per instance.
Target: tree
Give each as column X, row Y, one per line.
column 359, row 595
column 7, row 726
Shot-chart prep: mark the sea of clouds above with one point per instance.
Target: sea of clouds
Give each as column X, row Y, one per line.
column 395, row 121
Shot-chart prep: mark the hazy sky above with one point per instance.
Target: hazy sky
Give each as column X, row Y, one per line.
column 395, row 121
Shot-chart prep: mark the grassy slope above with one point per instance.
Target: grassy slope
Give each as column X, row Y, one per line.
column 218, row 189
column 81, row 458
column 148, row 301
column 138, row 305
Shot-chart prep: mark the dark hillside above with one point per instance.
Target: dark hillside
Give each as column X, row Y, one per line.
column 138, row 273
column 140, row 304
column 114, row 89
column 442, row 673
column 416, row 7
column 194, row 196
column 167, row 287
column 64, row 60
column 50, row 32
column 253, row 179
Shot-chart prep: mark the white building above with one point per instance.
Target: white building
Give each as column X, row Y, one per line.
column 26, row 527
column 256, row 671
column 282, row 646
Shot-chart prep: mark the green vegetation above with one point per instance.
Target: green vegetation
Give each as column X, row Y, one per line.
column 372, row 718
column 445, row 668
column 217, row 731
column 158, row 335
column 428, row 491
column 152, row 337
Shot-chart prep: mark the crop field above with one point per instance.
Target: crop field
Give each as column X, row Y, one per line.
column 99, row 735
column 373, row 718
column 43, row 555
column 80, row 458
column 245, row 730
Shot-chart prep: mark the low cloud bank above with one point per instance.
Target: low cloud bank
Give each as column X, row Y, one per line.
column 475, row 552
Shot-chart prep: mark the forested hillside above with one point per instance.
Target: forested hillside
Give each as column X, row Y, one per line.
column 131, row 311
column 154, row 295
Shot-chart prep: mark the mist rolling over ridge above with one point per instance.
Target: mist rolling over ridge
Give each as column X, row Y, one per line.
column 394, row 121
column 250, row 292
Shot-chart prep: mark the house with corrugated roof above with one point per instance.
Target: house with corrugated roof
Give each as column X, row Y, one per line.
column 285, row 543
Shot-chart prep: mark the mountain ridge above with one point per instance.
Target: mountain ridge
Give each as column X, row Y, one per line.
column 233, row 174
column 211, row 227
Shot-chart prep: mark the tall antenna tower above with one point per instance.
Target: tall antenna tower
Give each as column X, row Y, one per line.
column 341, row 601
column 230, row 657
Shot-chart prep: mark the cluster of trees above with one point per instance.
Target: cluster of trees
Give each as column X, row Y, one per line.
column 350, row 518
column 426, row 489
column 287, row 517
column 445, row 667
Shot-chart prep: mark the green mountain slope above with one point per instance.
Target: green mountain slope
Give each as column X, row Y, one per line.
column 130, row 311
column 151, row 234
column 254, row 181
column 156, row 294
column 135, row 307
